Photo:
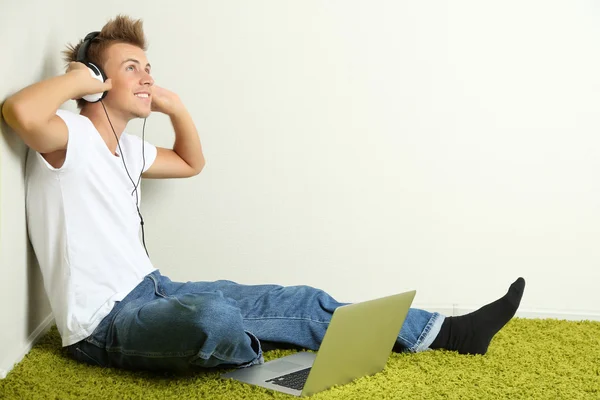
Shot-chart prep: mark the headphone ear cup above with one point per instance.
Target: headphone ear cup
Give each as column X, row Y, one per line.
column 97, row 73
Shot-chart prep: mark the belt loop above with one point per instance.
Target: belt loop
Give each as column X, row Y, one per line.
column 157, row 287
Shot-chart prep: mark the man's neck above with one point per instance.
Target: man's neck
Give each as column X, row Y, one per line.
column 95, row 113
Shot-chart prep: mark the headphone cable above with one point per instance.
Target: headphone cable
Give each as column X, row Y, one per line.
column 135, row 186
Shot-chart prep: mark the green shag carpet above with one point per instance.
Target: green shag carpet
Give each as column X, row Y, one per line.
column 528, row 359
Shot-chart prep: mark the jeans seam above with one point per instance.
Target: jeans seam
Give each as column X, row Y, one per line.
column 228, row 359
column 151, row 354
column 77, row 349
column 423, row 334
column 426, row 331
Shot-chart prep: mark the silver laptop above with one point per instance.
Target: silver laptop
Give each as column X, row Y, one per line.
column 358, row 342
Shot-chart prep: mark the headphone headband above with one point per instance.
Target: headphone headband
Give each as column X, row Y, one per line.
column 82, row 53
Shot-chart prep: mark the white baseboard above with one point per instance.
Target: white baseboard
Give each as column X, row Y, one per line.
column 574, row 315
column 9, row 362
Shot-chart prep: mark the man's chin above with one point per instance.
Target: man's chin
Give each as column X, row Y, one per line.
column 142, row 114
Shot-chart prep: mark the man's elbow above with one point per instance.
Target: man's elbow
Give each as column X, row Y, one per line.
column 15, row 116
column 199, row 168
column 9, row 114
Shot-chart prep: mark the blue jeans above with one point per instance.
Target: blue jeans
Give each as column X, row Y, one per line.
column 165, row 325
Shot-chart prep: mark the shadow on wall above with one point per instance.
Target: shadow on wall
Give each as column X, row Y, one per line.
column 37, row 302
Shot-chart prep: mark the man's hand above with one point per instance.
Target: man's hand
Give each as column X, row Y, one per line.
column 186, row 158
column 86, row 84
column 165, row 101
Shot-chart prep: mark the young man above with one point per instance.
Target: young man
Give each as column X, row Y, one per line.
column 112, row 306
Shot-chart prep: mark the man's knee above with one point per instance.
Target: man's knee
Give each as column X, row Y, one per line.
column 206, row 313
column 189, row 325
column 186, row 320
column 218, row 325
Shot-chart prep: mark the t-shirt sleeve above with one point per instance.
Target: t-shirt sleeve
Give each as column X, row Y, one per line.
column 147, row 157
column 77, row 143
column 150, row 155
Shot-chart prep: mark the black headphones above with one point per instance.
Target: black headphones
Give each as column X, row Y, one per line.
column 97, row 73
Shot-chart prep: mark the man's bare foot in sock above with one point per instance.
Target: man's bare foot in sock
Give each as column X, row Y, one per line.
column 472, row 333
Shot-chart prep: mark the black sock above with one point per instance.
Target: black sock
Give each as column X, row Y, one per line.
column 472, row 333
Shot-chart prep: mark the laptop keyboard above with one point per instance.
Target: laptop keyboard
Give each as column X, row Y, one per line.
column 295, row 380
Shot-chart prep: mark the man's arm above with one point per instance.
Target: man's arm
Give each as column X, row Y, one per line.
column 31, row 112
column 186, row 158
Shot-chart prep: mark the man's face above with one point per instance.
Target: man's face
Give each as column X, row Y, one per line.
column 131, row 92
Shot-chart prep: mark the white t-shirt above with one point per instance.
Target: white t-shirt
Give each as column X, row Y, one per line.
column 84, row 226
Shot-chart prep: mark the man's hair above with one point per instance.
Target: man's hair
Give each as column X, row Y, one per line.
column 122, row 29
